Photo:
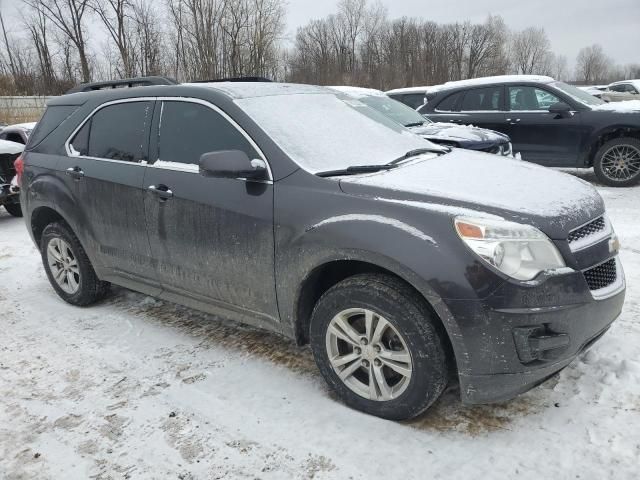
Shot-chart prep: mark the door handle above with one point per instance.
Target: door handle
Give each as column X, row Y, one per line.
column 514, row 121
column 75, row 172
column 161, row 191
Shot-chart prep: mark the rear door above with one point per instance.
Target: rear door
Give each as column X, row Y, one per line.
column 105, row 167
column 212, row 238
column 540, row 136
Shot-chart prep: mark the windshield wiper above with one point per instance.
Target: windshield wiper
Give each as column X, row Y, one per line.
column 418, row 151
column 414, row 124
column 355, row 169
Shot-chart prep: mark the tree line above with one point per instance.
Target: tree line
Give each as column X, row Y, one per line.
column 59, row 43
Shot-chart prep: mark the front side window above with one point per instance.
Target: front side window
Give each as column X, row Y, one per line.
column 187, row 130
column 115, row 132
column 414, row 100
column 617, row 88
column 482, row 99
column 449, row 103
column 523, row 98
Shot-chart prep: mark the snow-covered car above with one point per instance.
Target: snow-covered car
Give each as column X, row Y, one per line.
column 622, row 91
column 9, row 190
column 451, row 135
column 403, row 264
column 18, row 132
column 595, row 90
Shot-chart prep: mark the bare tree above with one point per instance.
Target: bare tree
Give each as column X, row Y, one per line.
column 69, row 17
column 530, row 50
column 592, row 65
column 150, row 39
column 117, row 18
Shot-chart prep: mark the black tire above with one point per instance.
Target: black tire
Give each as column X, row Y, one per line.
column 601, row 171
column 408, row 313
column 13, row 209
column 91, row 288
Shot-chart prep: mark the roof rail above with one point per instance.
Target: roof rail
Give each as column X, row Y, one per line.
column 123, row 83
column 235, row 79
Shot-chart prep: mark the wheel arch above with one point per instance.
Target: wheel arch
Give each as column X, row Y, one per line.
column 40, row 218
column 610, row 133
column 325, row 275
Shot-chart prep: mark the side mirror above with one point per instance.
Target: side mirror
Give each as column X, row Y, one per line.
column 232, row 164
column 561, row 109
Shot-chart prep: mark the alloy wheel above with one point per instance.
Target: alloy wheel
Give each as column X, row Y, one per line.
column 368, row 354
column 64, row 266
column 621, row 162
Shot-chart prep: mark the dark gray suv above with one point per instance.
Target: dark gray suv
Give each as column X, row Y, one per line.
column 404, row 264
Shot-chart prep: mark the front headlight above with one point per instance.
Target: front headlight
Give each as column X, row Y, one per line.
column 518, row 250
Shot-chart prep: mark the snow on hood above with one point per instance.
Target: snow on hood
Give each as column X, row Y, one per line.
column 454, row 132
column 554, row 201
column 10, row 147
column 628, row 106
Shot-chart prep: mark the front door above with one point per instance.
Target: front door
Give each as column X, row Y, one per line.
column 106, row 168
column 538, row 135
column 483, row 107
column 212, row 238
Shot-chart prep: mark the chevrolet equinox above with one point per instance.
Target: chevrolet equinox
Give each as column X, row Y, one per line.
column 404, row 264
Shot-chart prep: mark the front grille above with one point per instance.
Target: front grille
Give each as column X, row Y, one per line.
column 587, row 230
column 602, row 275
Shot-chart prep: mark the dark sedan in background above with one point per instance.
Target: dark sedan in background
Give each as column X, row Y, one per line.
column 549, row 122
column 460, row 136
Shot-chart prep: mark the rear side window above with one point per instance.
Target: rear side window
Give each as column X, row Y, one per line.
column 187, row 130
column 449, row 103
column 482, row 99
column 115, row 132
column 53, row 116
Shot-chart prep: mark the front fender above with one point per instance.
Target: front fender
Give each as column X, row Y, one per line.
column 418, row 246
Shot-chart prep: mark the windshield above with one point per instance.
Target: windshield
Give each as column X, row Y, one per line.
column 577, row 94
column 323, row 132
column 394, row 110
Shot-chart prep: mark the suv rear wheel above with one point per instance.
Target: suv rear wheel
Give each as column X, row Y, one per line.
column 617, row 162
column 377, row 345
column 69, row 270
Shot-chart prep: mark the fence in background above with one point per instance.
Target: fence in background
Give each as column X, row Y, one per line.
column 21, row 109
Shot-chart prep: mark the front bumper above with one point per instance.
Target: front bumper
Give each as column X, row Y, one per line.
column 522, row 335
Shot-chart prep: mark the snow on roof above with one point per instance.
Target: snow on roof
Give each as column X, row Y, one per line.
column 425, row 89
column 629, row 106
column 259, row 89
column 358, row 92
column 10, row 147
column 498, row 79
column 635, row 83
column 25, row 126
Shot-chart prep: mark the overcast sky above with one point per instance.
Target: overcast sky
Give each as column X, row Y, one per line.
column 570, row 24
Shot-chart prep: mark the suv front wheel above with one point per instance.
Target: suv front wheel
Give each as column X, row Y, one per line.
column 617, row 162
column 378, row 346
column 69, row 270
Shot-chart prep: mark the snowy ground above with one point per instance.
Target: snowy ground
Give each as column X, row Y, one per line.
column 137, row 388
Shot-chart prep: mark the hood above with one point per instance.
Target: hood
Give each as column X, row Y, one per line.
column 464, row 135
column 466, row 182
column 628, row 106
